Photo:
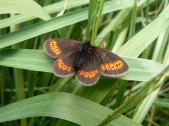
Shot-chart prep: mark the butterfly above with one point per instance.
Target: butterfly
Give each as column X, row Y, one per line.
column 85, row 61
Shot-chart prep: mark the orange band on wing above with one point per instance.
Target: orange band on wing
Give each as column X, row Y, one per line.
column 112, row 66
column 88, row 74
column 63, row 66
column 54, row 47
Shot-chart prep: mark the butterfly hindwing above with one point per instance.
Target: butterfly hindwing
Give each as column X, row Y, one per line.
column 64, row 65
column 58, row 47
column 109, row 63
column 88, row 74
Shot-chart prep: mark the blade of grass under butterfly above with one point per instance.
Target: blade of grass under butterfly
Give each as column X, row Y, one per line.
column 61, row 105
column 140, row 69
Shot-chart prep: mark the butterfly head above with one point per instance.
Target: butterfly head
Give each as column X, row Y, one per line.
column 86, row 47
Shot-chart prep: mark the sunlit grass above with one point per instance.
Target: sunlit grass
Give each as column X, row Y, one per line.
column 140, row 34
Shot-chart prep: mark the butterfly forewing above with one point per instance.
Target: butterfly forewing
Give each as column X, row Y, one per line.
column 88, row 74
column 109, row 63
column 58, row 47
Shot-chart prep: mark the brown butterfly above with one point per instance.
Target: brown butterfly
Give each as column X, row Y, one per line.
column 85, row 61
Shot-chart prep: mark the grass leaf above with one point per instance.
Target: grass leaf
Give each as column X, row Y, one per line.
column 56, row 23
column 23, row 6
column 61, row 105
column 136, row 45
column 140, row 69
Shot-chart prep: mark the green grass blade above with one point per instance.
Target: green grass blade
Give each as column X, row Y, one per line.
column 133, row 100
column 145, row 107
column 113, row 25
column 61, row 105
column 56, row 23
column 98, row 92
column 23, row 6
column 2, row 88
column 97, row 19
column 160, row 46
column 53, row 8
column 91, row 14
column 120, row 94
column 136, row 45
column 164, row 103
column 133, row 18
column 166, row 57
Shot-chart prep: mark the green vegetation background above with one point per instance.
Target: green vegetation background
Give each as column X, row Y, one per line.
column 31, row 95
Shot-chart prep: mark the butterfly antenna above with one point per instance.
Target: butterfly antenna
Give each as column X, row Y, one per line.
column 82, row 28
column 102, row 38
column 84, row 39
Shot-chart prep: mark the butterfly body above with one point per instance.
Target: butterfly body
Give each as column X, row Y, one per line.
column 85, row 51
column 86, row 61
column 86, row 48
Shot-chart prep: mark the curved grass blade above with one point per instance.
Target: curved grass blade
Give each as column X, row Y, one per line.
column 136, row 45
column 56, row 23
column 23, row 6
column 61, row 105
column 53, row 8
